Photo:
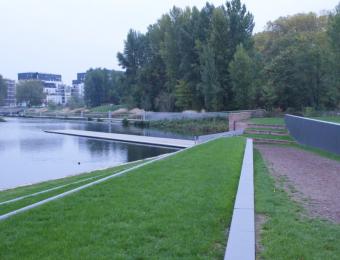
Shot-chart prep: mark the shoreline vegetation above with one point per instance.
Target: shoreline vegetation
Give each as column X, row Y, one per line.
column 178, row 207
column 195, row 127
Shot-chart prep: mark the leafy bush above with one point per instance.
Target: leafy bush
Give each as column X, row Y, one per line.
column 125, row 122
column 193, row 126
column 107, row 108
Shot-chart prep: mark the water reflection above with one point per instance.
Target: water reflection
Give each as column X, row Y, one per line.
column 40, row 144
column 29, row 155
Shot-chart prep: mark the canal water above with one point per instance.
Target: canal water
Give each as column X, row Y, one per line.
column 29, row 155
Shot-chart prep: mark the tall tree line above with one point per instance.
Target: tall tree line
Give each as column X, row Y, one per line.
column 181, row 62
column 210, row 59
column 298, row 62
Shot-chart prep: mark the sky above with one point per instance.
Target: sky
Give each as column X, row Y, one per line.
column 69, row 36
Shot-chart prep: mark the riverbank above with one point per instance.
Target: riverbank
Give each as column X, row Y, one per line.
column 179, row 207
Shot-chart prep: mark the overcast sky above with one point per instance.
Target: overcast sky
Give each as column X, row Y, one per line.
column 70, row 36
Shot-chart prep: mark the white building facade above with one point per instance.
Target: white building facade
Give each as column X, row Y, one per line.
column 55, row 90
column 10, row 100
column 78, row 86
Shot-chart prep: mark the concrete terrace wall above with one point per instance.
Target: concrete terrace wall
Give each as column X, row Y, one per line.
column 237, row 117
column 314, row 133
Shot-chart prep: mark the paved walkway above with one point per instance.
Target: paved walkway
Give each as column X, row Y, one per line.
column 138, row 139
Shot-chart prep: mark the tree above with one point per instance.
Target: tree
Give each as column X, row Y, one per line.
column 75, row 102
column 334, row 30
column 102, row 86
column 242, row 77
column 30, row 92
column 301, row 77
column 287, row 31
column 210, row 86
column 132, row 60
column 3, row 91
column 217, row 50
column 183, row 95
column 241, row 25
column 334, row 36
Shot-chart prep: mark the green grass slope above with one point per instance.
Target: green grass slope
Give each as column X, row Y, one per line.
column 179, row 207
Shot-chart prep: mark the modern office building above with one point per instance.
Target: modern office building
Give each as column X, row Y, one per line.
column 44, row 77
column 78, row 85
column 10, row 101
column 55, row 90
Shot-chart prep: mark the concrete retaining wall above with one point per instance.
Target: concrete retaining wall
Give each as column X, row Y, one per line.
column 234, row 118
column 314, row 133
column 241, row 241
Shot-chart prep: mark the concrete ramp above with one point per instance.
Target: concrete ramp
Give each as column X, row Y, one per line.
column 137, row 139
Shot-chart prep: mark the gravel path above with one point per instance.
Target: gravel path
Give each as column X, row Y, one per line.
column 314, row 177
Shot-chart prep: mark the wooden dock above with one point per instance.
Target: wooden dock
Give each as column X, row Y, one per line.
column 136, row 139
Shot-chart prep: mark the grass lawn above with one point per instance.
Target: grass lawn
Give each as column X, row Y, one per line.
column 268, row 121
column 268, row 129
column 288, row 234
column 334, row 119
column 179, row 207
column 69, row 182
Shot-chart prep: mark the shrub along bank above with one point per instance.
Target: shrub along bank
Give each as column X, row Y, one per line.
column 193, row 127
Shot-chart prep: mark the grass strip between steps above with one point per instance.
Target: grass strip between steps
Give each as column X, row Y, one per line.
column 268, row 121
column 270, row 137
column 274, row 130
